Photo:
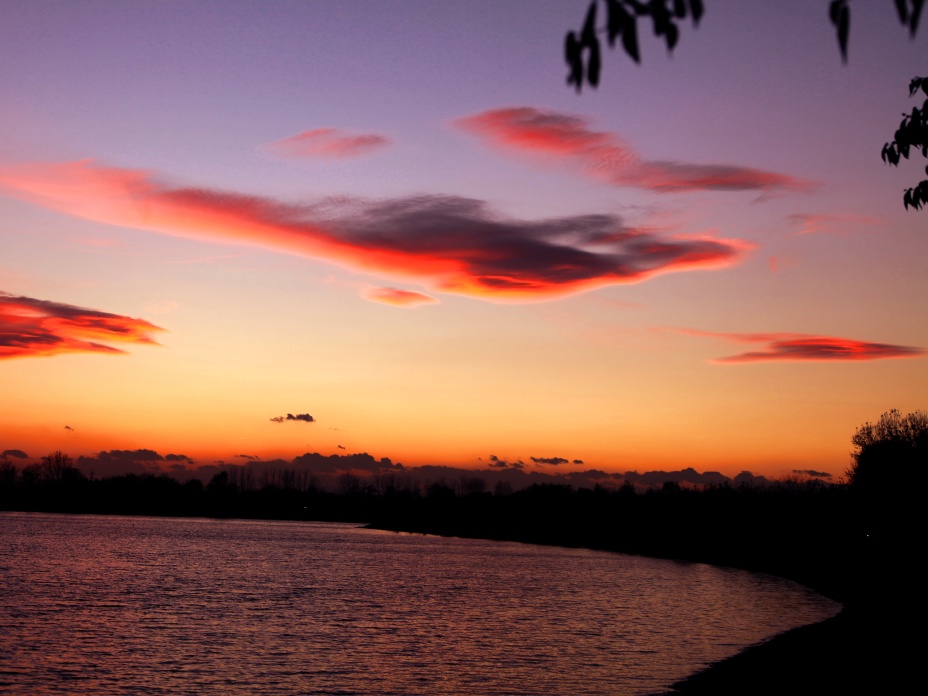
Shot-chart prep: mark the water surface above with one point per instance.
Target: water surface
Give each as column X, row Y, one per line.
column 119, row 605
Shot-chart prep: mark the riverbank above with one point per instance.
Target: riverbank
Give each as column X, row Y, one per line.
column 853, row 652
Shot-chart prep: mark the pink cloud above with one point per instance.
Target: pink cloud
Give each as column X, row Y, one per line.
column 802, row 347
column 32, row 328
column 607, row 157
column 813, row 223
column 397, row 298
column 331, row 143
column 447, row 243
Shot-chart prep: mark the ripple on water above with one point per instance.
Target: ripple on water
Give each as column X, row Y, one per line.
column 115, row 605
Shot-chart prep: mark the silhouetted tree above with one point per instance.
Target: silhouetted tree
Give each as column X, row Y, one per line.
column 8, row 473
column 57, row 467
column 891, row 454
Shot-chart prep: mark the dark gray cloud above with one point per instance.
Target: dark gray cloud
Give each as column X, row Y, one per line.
column 139, row 455
column 18, row 454
column 812, row 473
column 304, row 417
column 498, row 463
column 553, row 461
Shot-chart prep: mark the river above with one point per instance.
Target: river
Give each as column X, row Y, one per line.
column 133, row 605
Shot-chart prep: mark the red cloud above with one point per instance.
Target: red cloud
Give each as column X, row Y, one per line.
column 605, row 156
column 398, row 298
column 793, row 347
column 326, row 142
column 31, row 328
column 448, row 243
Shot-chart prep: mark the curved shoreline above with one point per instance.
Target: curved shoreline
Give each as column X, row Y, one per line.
column 859, row 650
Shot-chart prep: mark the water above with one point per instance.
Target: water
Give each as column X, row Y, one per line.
column 117, row 605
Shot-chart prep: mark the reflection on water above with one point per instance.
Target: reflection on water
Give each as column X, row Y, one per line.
column 116, row 605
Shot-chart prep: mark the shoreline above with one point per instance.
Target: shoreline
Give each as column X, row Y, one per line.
column 852, row 652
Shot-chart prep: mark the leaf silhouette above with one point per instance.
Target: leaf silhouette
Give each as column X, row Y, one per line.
column 572, row 54
column 917, row 6
column 903, row 11
column 840, row 15
column 630, row 40
column 696, row 9
column 617, row 20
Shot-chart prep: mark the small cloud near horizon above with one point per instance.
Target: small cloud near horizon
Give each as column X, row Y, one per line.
column 17, row 453
column 304, row 417
column 553, row 461
column 607, row 157
column 327, row 143
column 812, row 473
column 498, row 463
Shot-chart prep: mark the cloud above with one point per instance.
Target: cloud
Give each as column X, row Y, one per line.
column 31, row 328
column 139, row 455
column 498, row 463
column 605, row 156
column 447, row 243
column 397, row 298
column 68, row 427
column 577, row 461
column 815, row 223
column 178, row 458
column 802, row 347
column 305, row 417
column 553, row 461
column 329, row 143
column 18, row 454
column 812, row 473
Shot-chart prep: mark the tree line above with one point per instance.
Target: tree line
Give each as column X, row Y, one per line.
column 851, row 540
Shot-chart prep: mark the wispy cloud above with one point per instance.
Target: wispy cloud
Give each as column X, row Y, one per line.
column 31, row 328
column 605, row 156
column 299, row 417
column 397, row 298
column 329, row 143
column 816, row 223
column 803, row 347
column 447, row 243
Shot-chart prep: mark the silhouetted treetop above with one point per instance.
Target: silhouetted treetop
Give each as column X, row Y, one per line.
column 891, row 453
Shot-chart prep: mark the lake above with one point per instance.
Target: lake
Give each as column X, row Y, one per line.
column 134, row 605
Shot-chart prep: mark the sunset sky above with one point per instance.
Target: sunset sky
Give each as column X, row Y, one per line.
column 397, row 218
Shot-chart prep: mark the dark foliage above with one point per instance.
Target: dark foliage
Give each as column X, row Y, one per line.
column 912, row 134
column 583, row 54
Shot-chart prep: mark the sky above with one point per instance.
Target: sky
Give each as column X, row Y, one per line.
column 237, row 231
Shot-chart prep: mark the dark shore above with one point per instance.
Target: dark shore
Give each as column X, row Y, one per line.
column 851, row 653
